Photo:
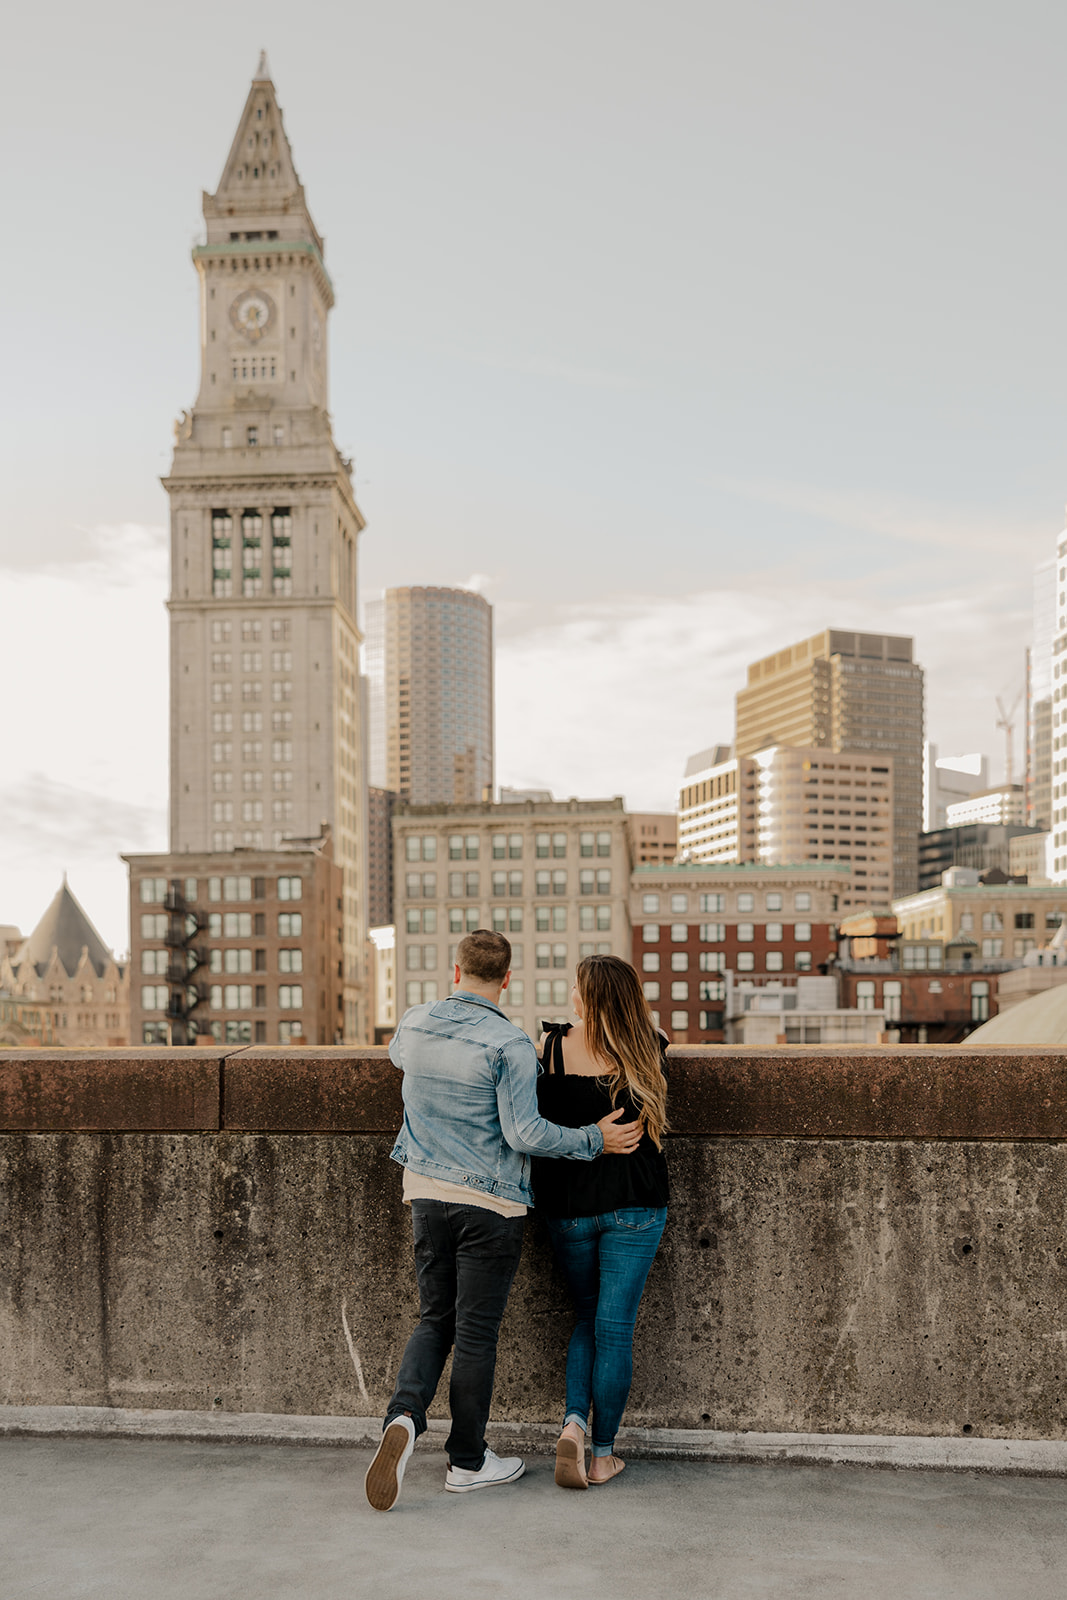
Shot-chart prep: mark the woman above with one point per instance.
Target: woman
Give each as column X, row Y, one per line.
column 604, row 1217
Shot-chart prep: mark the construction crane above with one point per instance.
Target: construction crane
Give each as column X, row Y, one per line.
column 1006, row 721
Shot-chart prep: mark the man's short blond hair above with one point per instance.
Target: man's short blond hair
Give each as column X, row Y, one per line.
column 484, row 955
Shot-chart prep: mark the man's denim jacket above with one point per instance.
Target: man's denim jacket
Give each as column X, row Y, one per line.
column 470, row 1099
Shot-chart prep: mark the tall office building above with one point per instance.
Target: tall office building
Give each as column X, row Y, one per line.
column 1057, row 842
column 846, row 692
column 1039, row 697
column 266, row 713
column 436, row 699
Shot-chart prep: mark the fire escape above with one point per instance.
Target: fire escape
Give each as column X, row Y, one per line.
column 187, row 966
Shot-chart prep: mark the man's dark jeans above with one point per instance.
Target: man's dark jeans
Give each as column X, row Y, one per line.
column 465, row 1260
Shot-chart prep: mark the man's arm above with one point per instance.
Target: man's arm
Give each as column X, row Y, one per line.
column 525, row 1128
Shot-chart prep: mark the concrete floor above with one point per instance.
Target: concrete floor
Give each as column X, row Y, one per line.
column 144, row 1520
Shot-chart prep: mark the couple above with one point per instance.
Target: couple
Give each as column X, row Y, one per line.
column 475, row 1112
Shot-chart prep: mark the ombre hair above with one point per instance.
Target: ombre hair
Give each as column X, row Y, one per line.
column 619, row 1029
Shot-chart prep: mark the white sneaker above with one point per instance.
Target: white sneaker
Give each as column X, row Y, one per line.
column 386, row 1472
column 492, row 1470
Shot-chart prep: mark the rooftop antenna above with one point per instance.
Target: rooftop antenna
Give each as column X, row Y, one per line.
column 1006, row 721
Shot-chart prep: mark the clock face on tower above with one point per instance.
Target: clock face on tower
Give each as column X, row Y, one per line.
column 252, row 313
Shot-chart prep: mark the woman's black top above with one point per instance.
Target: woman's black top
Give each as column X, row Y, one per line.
column 565, row 1188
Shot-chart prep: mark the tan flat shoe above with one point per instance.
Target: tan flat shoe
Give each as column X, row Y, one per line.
column 617, row 1466
column 570, row 1464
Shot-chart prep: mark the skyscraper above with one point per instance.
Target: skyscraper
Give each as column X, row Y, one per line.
column 1057, row 852
column 843, row 692
column 1039, row 697
column 435, row 701
column 266, row 714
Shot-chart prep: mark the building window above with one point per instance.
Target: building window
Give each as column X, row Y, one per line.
column 290, row 1032
column 291, row 888
column 559, row 844
column 153, row 891
column 746, row 961
column 713, row 902
column 1024, row 919
column 680, row 1021
column 290, row 960
column 746, row 932
column 774, row 961
column 587, row 844
column 712, row 989
column 650, row 905
column 679, row 903
column 154, row 997
column 992, row 922
column 773, row 932
column 712, row 932
column 559, row 955
column 543, row 845
column 679, row 932
column 865, row 995
column 650, row 933
column 290, row 924
column 802, row 901
column 651, row 989
column 679, row 961
column 992, row 948
column 650, row 961
column 680, row 989
column 801, row 932
column 712, row 961
column 891, row 996
column 774, row 902
column 802, row 961
column 746, row 902
column 603, row 843
column 290, row 997
column 980, row 1001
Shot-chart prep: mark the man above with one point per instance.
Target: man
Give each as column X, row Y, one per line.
column 470, row 1124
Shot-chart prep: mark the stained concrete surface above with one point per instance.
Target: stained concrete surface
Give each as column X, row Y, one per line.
column 87, row 1518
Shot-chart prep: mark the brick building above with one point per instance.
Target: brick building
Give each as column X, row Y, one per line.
column 693, row 924
column 242, row 948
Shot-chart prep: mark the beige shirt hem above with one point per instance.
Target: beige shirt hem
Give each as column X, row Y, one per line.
column 418, row 1187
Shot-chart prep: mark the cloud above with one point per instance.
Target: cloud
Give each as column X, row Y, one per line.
column 612, row 698
column 891, row 518
column 86, row 730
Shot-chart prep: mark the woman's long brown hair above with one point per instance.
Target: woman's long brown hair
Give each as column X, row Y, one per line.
column 619, row 1030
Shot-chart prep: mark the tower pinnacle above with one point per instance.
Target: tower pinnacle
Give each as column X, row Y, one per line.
column 262, row 73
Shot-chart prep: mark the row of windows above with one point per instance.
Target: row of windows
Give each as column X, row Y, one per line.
column 716, row 932
column 252, row 690
column 651, row 904
column 712, row 989
column 504, row 846
column 502, row 919
column 252, row 721
column 466, row 885
column 228, row 925
column 251, row 630
column 229, row 996
column 236, row 887
column 251, row 751
column 155, row 963
column 232, row 1031
column 252, row 661
column 251, row 810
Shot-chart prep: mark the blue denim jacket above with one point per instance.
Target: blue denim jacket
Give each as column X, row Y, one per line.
column 470, row 1099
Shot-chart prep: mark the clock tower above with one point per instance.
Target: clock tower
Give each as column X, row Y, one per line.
column 266, row 713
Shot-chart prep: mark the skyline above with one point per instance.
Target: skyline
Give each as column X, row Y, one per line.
column 679, row 370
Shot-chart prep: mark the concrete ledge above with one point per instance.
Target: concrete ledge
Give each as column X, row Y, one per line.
column 112, row 1091
column 1024, row 1457
column 794, row 1092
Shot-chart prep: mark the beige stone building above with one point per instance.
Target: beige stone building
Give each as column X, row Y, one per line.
column 266, row 714
column 238, row 949
column 846, row 692
column 553, row 875
column 653, row 837
column 62, row 984
column 997, row 922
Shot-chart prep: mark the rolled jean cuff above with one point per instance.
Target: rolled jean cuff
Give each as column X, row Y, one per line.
column 602, row 1450
column 575, row 1416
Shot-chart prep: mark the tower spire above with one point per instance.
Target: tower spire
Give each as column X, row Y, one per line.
column 262, row 74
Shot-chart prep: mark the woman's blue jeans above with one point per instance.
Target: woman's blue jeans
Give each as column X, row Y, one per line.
column 605, row 1260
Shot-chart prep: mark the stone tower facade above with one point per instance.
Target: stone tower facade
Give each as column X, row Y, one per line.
column 265, row 715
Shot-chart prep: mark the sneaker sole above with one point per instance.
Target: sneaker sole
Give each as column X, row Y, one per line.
column 486, row 1483
column 382, row 1482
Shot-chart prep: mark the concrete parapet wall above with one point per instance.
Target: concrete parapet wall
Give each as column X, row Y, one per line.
column 859, row 1242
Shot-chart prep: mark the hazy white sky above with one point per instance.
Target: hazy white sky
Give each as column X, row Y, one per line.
column 692, row 327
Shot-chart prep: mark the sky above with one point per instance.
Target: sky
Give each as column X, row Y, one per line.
column 682, row 331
